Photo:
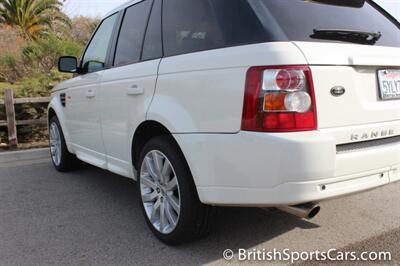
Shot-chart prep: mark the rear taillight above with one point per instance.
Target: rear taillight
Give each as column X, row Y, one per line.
column 279, row 99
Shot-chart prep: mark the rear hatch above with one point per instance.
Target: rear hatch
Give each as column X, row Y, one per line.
column 354, row 84
column 353, row 49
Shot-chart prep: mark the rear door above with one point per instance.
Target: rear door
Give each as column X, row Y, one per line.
column 128, row 88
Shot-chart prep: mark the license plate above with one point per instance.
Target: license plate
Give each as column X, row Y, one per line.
column 389, row 84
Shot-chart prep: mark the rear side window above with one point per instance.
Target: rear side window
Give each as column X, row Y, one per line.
column 197, row 25
column 152, row 47
column 130, row 40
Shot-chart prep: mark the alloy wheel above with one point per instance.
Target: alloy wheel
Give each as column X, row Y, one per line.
column 160, row 192
column 55, row 144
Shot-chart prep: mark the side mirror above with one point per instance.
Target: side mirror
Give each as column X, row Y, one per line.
column 93, row 66
column 68, row 64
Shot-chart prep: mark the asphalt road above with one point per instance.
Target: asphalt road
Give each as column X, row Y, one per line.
column 92, row 217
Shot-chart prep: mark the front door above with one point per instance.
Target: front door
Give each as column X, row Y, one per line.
column 82, row 114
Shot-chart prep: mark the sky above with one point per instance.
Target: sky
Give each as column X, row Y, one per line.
column 101, row 7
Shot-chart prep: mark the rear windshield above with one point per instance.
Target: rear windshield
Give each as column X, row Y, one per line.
column 209, row 24
column 298, row 19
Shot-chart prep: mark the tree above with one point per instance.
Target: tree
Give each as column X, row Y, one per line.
column 11, row 66
column 82, row 28
column 32, row 17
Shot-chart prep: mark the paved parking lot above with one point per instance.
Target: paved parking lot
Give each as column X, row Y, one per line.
column 93, row 217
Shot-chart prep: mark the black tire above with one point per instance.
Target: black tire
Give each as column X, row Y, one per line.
column 68, row 161
column 195, row 219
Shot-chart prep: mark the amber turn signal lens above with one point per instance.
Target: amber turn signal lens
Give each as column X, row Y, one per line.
column 274, row 102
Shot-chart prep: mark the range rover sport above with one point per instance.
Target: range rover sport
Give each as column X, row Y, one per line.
column 246, row 103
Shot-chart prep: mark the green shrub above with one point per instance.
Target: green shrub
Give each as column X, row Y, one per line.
column 11, row 69
column 31, row 72
column 42, row 55
column 39, row 85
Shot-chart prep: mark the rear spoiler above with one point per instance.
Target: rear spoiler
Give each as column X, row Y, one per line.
column 348, row 3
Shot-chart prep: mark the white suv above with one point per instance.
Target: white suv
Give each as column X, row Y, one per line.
column 270, row 103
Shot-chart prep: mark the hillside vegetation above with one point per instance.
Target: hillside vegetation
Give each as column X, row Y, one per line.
column 33, row 35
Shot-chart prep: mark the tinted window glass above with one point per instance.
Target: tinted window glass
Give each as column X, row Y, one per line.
column 96, row 52
column 298, row 19
column 152, row 48
column 130, row 38
column 196, row 25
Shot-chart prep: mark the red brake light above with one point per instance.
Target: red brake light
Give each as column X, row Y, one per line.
column 282, row 79
column 279, row 99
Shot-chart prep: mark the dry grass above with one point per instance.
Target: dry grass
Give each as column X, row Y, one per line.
column 10, row 41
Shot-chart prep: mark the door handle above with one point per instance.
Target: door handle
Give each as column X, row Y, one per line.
column 90, row 94
column 135, row 90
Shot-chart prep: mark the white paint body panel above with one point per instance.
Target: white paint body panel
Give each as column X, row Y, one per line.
column 353, row 67
column 124, row 98
column 82, row 118
column 258, row 169
column 343, row 54
column 204, row 91
column 199, row 98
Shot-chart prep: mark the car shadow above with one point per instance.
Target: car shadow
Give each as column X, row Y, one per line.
column 234, row 228
column 93, row 217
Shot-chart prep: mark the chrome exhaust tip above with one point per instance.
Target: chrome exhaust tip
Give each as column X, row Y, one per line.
column 304, row 211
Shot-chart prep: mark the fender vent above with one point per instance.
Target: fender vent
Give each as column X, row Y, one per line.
column 62, row 99
column 353, row 147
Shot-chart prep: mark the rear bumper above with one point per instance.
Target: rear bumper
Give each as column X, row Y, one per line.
column 261, row 169
column 299, row 192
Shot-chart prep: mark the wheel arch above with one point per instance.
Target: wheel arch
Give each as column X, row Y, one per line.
column 144, row 132
column 150, row 129
column 51, row 114
column 56, row 109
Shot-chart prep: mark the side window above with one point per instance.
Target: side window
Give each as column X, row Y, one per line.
column 192, row 28
column 198, row 25
column 130, row 40
column 96, row 52
column 152, row 48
